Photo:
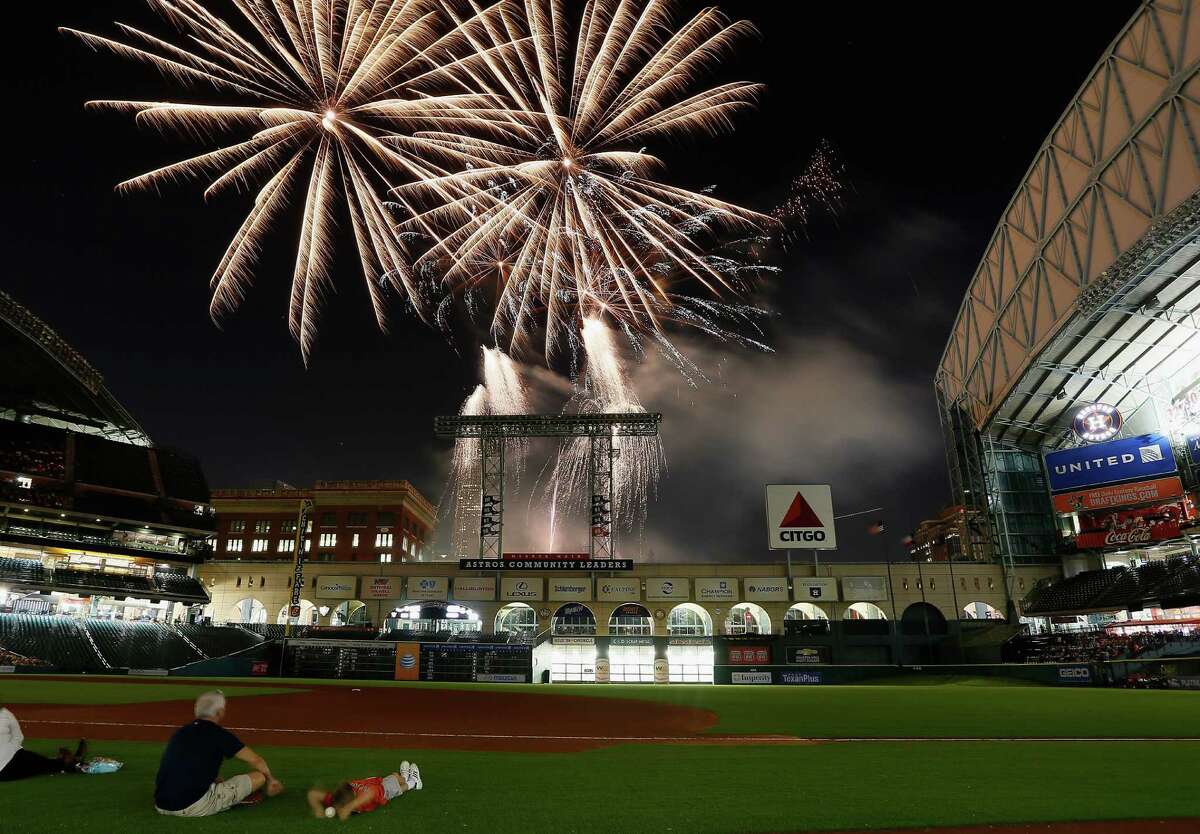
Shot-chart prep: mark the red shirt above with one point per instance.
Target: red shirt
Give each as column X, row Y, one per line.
column 372, row 786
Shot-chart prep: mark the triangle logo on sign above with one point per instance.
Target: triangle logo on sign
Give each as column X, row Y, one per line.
column 799, row 514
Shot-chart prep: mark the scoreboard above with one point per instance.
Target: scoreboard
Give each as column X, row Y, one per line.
column 376, row 660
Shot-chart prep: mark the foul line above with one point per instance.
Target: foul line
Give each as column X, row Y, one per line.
column 751, row 739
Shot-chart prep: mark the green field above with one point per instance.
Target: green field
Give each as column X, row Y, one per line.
column 706, row 788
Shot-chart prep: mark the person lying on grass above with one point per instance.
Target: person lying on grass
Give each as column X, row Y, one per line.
column 18, row 763
column 359, row 796
column 187, row 784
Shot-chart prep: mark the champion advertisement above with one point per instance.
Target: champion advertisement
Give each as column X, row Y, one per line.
column 1131, row 459
column 800, row 517
column 1130, row 527
column 1122, row 495
column 716, row 590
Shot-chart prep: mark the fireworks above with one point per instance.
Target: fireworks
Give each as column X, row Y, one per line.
column 821, row 186
column 605, row 390
column 564, row 220
column 327, row 96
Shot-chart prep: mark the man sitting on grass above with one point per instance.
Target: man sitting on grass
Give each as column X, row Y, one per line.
column 188, row 784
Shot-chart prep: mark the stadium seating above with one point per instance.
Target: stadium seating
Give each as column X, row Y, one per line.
column 33, row 450
column 179, row 584
column 57, row 640
column 124, row 583
column 218, row 641
column 1098, row 645
column 140, row 645
column 1173, row 583
column 22, row 570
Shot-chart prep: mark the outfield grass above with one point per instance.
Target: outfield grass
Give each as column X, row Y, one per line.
column 962, row 708
column 87, row 691
column 662, row 788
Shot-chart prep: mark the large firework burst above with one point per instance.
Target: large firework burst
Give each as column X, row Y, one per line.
column 565, row 220
column 326, row 96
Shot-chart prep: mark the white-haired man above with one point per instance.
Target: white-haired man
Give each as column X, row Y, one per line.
column 188, row 784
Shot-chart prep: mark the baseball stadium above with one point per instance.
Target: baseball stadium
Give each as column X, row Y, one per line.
column 1032, row 665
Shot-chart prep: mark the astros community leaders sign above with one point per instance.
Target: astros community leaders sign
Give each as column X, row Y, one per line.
column 800, row 517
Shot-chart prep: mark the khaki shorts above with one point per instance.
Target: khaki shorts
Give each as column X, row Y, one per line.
column 221, row 796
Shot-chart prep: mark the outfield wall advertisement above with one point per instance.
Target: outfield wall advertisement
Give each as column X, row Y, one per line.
column 766, row 589
column 618, row 590
column 336, row 587
column 819, row 589
column 668, row 588
column 428, row 588
column 716, row 590
column 474, row 588
column 864, row 588
column 521, row 588
column 579, row 589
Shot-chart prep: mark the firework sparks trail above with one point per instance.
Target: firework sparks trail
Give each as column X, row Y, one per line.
column 566, row 220
column 501, row 392
column 327, row 98
column 636, row 470
column 821, row 187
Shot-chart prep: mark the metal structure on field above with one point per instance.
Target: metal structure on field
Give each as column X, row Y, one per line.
column 493, row 431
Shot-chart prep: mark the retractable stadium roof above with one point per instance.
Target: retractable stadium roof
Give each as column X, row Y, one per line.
column 1088, row 289
column 48, row 382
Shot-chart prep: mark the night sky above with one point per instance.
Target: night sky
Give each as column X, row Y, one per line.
column 936, row 113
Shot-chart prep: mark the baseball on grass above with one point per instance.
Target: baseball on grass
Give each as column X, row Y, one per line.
column 330, row 812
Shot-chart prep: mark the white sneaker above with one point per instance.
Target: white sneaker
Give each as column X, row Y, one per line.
column 414, row 778
column 405, row 767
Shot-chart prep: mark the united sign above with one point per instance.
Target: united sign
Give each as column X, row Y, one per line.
column 1131, row 459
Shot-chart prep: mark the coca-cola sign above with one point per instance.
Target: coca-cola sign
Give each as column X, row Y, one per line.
column 1130, row 527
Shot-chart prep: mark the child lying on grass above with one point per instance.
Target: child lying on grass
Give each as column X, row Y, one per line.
column 360, row 796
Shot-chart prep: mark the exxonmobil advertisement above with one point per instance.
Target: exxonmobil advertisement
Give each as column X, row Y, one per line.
column 1131, row 527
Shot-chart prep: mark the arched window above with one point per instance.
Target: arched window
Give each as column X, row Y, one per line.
column 351, row 612
column 981, row 611
column 805, row 611
column 747, row 618
column 631, row 620
column 922, row 618
column 689, row 620
column 249, row 611
column 308, row 614
column 516, row 618
column 864, row 611
column 573, row 618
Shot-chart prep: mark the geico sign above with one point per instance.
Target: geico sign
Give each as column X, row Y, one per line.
column 1078, row 673
column 802, row 535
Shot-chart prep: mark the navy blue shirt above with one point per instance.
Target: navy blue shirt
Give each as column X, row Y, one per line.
column 191, row 762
